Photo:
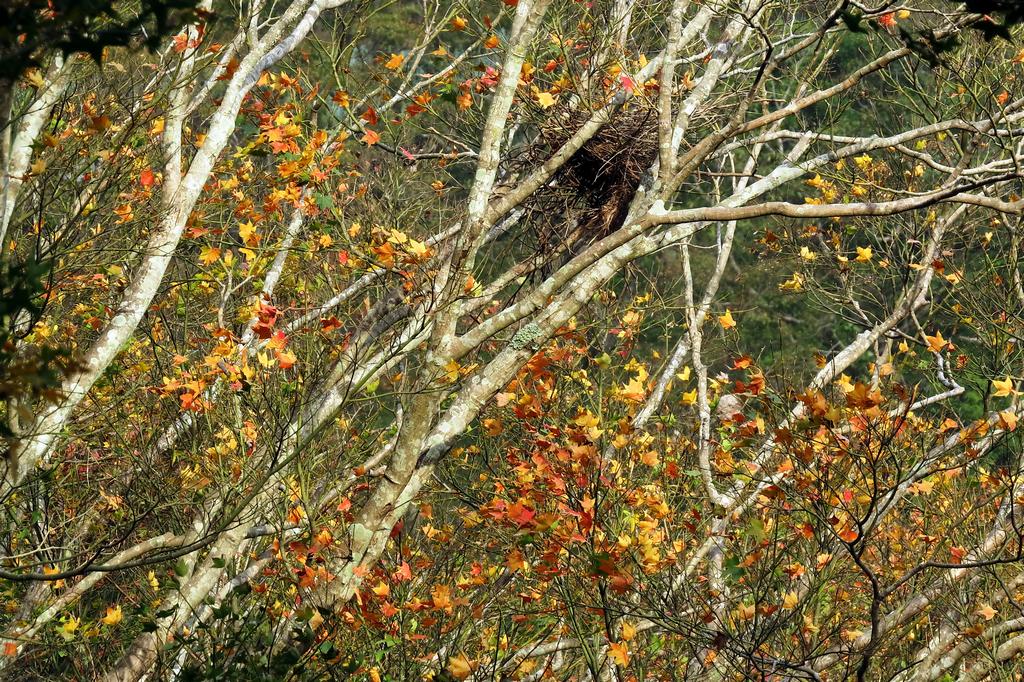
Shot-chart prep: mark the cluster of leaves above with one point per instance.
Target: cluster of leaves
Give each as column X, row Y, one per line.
column 88, row 26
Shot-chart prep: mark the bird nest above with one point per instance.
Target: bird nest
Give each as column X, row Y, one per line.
column 589, row 196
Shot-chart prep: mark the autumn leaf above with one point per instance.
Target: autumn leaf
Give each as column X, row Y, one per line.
column 936, row 344
column 619, row 652
column 370, row 137
column 726, row 320
column 247, row 231
column 113, row 616
column 147, row 178
column 545, row 100
column 987, row 612
column 460, row 666
column 1004, row 387
column 395, row 62
column 68, row 628
column 209, row 255
column 863, row 254
column 459, row 24
column 492, row 427
column 794, row 283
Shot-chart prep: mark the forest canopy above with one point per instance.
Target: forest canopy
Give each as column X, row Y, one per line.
column 511, row 340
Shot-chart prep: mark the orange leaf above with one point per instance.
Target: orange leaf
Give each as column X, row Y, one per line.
column 371, row 138
column 726, row 320
column 619, row 653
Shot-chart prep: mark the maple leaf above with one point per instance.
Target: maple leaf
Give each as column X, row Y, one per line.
column 619, row 652
column 286, row 359
column 1004, row 387
column 794, row 283
column 371, row 137
column 987, row 612
column 863, row 254
column 460, row 667
column 492, row 427
column 395, row 62
column 247, row 231
column 459, row 24
column 726, row 320
column 936, row 344
column 404, row 572
column 441, row 597
column 68, row 627
column 113, row 616
column 545, row 99
column 209, row 255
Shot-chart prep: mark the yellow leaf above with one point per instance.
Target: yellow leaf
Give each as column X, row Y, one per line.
column 35, row 79
column 863, row 254
column 807, row 254
column 1008, row 420
column 619, row 653
column 936, row 344
column 628, row 631
column 209, row 255
column 68, row 627
column 460, row 666
column 794, row 283
column 395, row 62
column 113, row 616
column 1004, row 387
column 545, row 100
column 690, row 397
column 726, row 320
column 790, row 600
column 246, row 231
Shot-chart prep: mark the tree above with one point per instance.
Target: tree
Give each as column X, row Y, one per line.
column 308, row 315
